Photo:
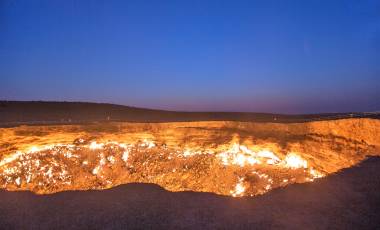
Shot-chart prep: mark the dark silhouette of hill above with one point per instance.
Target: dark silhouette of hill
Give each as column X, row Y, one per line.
column 349, row 199
column 36, row 112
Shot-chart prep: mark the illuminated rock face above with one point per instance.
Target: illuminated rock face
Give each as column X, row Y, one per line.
column 227, row 158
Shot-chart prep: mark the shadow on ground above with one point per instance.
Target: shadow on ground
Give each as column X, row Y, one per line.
column 349, row 199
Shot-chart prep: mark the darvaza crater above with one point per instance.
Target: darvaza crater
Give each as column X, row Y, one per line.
column 227, row 158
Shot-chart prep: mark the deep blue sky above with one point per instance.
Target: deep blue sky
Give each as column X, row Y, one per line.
column 264, row 56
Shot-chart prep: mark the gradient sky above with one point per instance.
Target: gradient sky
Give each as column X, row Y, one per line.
column 263, row 56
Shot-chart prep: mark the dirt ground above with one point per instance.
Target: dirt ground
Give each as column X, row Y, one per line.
column 349, row 199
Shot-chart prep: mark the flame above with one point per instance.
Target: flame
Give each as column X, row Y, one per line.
column 34, row 149
column 239, row 189
column 125, row 156
column 50, row 165
column 315, row 173
column 10, row 158
column 292, row 160
column 148, row 144
column 242, row 156
column 94, row 145
column 268, row 154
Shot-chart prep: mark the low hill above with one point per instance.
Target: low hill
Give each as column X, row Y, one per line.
column 30, row 112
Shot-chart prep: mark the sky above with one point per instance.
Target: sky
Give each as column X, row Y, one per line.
column 252, row 56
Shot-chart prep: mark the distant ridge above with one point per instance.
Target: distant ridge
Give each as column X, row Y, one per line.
column 44, row 112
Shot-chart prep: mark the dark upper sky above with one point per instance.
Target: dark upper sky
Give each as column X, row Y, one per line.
column 265, row 56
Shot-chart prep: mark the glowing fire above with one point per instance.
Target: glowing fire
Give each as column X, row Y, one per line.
column 239, row 188
column 95, row 145
column 294, row 161
column 241, row 155
column 58, row 167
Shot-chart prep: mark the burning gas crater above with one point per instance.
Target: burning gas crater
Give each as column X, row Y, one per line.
column 83, row 165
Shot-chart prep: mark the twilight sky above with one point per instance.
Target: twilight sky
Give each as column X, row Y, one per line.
column 261, row 56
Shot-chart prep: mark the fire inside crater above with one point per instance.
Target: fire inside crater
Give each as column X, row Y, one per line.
column 236, row 171
column 227, row 158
